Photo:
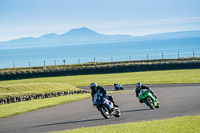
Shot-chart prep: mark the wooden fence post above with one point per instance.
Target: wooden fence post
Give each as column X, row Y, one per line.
column 64, row 62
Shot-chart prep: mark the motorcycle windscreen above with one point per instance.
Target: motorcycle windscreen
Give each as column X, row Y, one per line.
column 142, row 91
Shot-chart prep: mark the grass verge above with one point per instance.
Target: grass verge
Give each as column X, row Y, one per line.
column 188, row 124
column 7, row 110
column 147, row 77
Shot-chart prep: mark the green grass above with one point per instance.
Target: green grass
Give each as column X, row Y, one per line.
column 188, row 124
column 148, row 77
column 7, row 110
column 33, row 88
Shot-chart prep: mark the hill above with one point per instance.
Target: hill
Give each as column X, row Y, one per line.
column 87, row 36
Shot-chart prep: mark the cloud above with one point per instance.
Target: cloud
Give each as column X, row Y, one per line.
column 54, row 28
column 146, row 22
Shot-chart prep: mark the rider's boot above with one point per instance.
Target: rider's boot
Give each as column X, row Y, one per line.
column 115, row 104
column 153, row 94
column 156, row 98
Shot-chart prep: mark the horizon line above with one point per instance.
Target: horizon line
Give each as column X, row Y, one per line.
column 103, row 34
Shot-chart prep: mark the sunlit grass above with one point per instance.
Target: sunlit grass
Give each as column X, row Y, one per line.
column 188, row 124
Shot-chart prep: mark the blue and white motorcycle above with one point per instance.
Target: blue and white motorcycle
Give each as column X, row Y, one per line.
column 118, row 87
column 105, row 106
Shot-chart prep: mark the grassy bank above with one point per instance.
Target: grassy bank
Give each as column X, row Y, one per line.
column 33, row 88
column 7, row 110
column 188, row 124
column 148, row 77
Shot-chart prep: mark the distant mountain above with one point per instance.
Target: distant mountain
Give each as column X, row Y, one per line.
column 87, row 36
column 171, row 35
column 81, row 33
column 48, row 36
column 26, row 40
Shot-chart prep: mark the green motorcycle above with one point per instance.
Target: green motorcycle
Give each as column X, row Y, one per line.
column 147, row 97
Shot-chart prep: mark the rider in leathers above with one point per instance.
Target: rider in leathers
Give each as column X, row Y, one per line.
column 94, row 88
column 139, row 86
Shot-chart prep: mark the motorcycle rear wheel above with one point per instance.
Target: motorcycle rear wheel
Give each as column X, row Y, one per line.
column 121, row 88
column 117, row 113
column 158, row 104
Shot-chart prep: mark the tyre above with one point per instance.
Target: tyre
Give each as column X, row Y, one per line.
column 117, row 113
column 104, row 111
column 158, row 104
column 121, row 88
column 150, row 102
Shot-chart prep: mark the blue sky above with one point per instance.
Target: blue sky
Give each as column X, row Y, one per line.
column 34, row 18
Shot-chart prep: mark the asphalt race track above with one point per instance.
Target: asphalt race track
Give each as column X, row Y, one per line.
column 175, row 100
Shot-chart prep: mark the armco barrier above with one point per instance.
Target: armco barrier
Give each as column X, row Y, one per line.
column 40, row 96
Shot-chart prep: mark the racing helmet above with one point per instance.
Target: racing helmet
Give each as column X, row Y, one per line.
column 93, row 85
column 138, row 85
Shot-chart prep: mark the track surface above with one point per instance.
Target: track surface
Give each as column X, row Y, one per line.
column 175, row 100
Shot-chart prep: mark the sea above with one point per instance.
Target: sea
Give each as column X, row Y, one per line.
column 105, row 52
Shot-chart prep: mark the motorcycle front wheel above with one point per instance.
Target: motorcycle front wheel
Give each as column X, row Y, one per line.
column 150, row 102
column 104, row 111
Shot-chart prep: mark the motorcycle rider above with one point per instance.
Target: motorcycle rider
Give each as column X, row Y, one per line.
column 118, row 86
column 94, row 88
column 115, row 85
column 139, row 86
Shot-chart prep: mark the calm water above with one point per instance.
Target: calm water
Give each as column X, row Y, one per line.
column 101, row 52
